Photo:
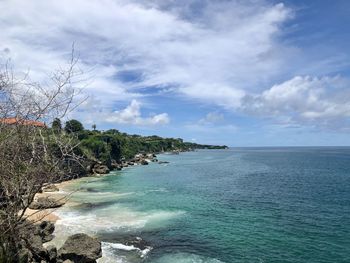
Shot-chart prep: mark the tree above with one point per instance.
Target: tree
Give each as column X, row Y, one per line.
column 30, row 154
column 57, row 125
column 73, row 126
column 94, row 127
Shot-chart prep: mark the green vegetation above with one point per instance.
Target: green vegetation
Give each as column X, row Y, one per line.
column 57, row 125
column 112, row 144
column 73, row 126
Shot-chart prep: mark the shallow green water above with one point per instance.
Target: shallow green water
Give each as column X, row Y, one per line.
column 241, row 205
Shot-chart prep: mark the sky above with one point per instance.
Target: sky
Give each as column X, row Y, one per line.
column 234, row 72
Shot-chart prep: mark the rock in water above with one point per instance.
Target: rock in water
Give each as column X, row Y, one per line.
column 80, row 248
column 144, row 162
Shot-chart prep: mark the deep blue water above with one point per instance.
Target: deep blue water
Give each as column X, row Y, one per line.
column 237, row 205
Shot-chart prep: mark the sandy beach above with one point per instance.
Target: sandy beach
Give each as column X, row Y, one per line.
column 49, row 214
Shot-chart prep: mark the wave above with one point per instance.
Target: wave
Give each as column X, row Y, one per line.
column 121, row 253
column 185, row 258
column 115, row 218
column 119, row 246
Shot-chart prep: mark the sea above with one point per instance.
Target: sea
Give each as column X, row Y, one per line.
column 212, row 206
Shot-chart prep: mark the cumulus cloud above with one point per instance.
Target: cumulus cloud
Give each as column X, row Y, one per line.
column 304, row 100
column 132, row 115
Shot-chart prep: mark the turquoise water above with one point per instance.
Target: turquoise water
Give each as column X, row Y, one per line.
column 238, row 205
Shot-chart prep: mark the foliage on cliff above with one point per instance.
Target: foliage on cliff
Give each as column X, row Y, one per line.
column 115, row 145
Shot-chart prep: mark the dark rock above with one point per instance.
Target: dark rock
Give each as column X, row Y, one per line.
column 100, row 169
column 24, row 255
column 36, row 246
column 46, row 229
column 45, row 203
column 52, row 253
column 151, row 156
column 80, row 248
column 50, row 188
column 114, row 164
column 144, row 162
column 160, row 162
column 137, row 242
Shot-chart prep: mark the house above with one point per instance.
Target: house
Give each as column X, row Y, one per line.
column 14, row 121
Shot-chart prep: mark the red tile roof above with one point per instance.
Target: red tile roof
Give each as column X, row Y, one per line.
column 12, row 121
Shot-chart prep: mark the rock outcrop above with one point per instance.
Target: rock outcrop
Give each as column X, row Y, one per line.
column 45, row 203
column 50, row 188
column 80, row 248
column 32, row 249
column 45, row 230
column 144, row 162
column 100, row 169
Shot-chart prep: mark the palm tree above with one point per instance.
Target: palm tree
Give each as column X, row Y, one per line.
column 94, row 126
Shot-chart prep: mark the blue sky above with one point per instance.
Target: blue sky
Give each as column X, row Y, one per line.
column 240, row 73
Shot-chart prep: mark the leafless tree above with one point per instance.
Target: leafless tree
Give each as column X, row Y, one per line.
column 32, row 154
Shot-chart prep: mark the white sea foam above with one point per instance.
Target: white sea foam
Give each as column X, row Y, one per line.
column 108, row 219
column 113, row 218
column 185, row 258
column 110, row 253
column 119, row 246
column 160, row 190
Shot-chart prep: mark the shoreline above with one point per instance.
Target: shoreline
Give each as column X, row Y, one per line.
column 49, row 214
column 62, row 192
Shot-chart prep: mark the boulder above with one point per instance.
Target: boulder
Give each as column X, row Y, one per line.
column 100, row 169
column 45, row 203
column 161, row 162
column 36, row 246
column 24, row 255
column 114, row 164
column 137, row 242
column 144, row 162
column 52, row 253
column 80, row 248
column 45, row 230
column 150, row 156
column 50, row 188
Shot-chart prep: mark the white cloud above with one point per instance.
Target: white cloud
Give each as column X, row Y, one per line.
column 304, row 100
column 132, row 115
column 212, row 118
column 212, row 53
column 216, row 52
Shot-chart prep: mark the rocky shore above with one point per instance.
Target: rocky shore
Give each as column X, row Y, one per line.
column 98, row 168
column 79, row 248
